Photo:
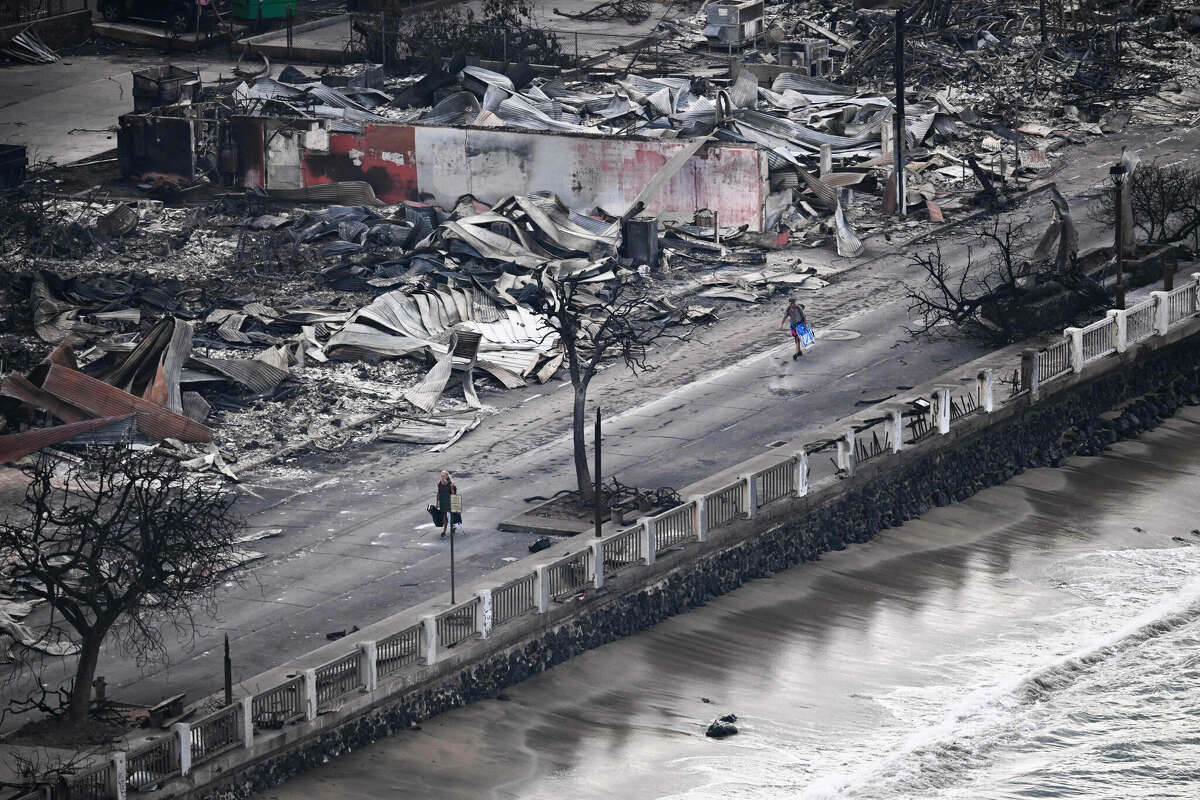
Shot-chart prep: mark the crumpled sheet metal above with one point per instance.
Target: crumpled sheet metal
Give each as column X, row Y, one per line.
column 426, row 393
column 103, row 400
column 401, row 323
column 848, row 243
column 17, row 445
column 257, row 376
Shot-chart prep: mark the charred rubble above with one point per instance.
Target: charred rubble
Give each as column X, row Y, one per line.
column 254, row 257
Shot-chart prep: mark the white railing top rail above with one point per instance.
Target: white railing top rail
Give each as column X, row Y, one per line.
column 686, row 507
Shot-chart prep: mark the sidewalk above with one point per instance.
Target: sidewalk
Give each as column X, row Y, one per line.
column 67, row 111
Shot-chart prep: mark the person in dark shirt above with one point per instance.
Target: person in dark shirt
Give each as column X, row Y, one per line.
column 445, row 488
column 795, row 320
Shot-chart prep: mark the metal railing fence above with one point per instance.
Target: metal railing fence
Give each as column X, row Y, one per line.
column 1054, row 361
column 216, row 733
column 725, row 505
column 569, row 575
column 1139, row 321
column 458, row 624
column 153, row 763
column 622, row 550
column 775, row 482
column 279, row 705
column 1099, row 339
column 673, row 527
column 513, row 599
column 398, row 650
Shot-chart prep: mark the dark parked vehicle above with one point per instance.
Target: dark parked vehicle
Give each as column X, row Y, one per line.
column 180, row 15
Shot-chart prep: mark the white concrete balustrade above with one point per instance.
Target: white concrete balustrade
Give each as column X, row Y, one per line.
column 384, row 664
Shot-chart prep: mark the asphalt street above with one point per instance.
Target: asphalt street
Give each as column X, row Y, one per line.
column 352, row 542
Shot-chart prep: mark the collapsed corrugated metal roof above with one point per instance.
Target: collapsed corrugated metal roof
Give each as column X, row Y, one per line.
column 14, row 446
column 101, row 399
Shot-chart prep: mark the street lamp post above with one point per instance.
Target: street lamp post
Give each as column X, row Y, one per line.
column 1117, row 173
column 596, row 491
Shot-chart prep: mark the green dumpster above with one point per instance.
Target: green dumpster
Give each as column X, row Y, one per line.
column 263, row 9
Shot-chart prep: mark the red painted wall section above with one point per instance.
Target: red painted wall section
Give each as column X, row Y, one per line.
column 384, row 156
column 403, row 162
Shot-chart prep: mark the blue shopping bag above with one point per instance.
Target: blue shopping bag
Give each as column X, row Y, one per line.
column 807, row 337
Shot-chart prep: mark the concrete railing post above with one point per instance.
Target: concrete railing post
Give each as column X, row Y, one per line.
column 1121, row 340
column 1162, row 312
column 750, row 493
column 247, row 722
column 647, row 533
column 183, row 730
column 845, row 453
column 367, row 659
column 943, row 409
column 120, row 776
column 1075, row 335
column 987, row 390
column 699, row 517
column 310, row 694
column 597, row 549
column 801, row 475
column 1029, row 373
column 896, row 428
column 485, row 612
column 429, row 628
column 541, row 590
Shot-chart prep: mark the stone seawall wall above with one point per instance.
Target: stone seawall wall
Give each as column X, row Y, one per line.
column 1081, row 421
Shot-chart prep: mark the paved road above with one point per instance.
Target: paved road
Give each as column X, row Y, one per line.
column 356, row 545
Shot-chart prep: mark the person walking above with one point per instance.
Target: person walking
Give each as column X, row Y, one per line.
column 794, row 320
column 445, row 488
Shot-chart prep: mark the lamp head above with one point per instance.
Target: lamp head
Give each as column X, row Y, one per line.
column 1117, row 173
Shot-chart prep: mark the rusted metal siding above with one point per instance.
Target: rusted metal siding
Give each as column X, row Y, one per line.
column 103, row 400
column 440, row 164
column 15, row 445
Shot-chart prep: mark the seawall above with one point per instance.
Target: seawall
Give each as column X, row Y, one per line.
column 964, row 433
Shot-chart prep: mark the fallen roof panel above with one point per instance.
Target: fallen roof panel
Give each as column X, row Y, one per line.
column 101, row 399
column 16, row 445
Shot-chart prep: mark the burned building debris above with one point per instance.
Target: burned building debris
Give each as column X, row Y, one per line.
column 350, row 241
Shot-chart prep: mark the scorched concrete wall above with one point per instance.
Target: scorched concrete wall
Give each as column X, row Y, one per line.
column 440, row 164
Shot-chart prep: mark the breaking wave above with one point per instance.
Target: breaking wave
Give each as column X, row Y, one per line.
column 938, row 755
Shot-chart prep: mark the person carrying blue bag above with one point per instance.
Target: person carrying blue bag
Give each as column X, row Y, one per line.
column 794, row 320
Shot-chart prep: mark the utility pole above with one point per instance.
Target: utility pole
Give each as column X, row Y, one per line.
column 1117, row 174
column 898, row 139
column 596, row 493
column 228, row 674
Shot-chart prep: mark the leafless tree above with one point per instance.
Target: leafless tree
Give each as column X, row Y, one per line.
column 122, row 543
column 614, row 324
column 988, row 296
column 1165, row 202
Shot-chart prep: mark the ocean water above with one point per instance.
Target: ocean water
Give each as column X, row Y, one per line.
column 1038, row 640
